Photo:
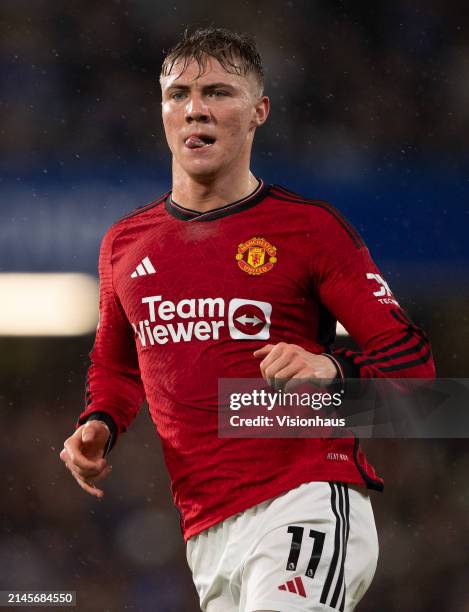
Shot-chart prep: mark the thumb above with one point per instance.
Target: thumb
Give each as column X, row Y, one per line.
column 88, row 433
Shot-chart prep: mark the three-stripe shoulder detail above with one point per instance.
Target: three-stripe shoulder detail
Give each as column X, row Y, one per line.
column 280, row 193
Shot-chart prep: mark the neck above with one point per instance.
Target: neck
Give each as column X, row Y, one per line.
column 206, row 193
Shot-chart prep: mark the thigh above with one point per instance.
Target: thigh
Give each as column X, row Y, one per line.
column 210, row 558
column 362, row 549
column 320, row 553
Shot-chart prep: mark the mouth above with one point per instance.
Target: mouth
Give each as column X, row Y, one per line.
column 199, row 141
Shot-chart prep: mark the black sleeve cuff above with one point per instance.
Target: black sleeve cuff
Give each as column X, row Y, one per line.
column 349, row 369
column 107, row 420
column 337, row 383
column 346, row 370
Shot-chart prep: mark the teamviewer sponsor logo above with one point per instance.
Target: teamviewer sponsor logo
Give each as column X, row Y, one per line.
column 201, row 319
column 249, row 319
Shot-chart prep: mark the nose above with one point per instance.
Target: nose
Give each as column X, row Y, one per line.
column 196, row 110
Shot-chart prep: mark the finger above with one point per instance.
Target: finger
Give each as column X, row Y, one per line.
column 89, row 487
column 93, row 469
column 297, row 380
column 274, row 363
column 76, row 473
column 64, row 455
column 85, row 483
column 78, row 458
column 278, row 357
column 86, row 474
column 275, row 351
column 69, row 458
column 263, row 351
column 301, row 377
column 103, row 474
column 268, row 347
column 285, row 374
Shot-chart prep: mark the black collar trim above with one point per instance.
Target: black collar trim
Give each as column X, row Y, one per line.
column 186, row 214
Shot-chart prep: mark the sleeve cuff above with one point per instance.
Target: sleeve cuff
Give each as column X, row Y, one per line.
column 349, row 369
column 346, row 370
column 107, row 419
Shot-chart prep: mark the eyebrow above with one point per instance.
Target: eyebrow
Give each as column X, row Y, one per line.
column 208, row 87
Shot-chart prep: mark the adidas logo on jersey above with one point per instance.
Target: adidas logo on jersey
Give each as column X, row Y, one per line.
column 143, row 268
column 294, row 586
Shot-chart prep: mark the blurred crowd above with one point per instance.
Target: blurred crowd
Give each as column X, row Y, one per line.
column 80, row 79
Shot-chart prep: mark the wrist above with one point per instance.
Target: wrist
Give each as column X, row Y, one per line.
column 339, row 373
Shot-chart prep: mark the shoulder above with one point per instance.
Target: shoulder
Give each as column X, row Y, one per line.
column 128, row 225
column 133, row 218
column 322, row 214
column 138, row 213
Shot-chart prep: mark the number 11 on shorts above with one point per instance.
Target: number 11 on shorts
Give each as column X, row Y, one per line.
column 318, row 538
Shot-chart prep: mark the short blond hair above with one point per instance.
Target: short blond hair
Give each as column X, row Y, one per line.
column 236, row 53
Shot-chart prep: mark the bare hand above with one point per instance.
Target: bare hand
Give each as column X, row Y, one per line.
column 83, row 456
column 282, row 362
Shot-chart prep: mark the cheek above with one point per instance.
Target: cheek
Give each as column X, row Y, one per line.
column 171, row 134
column 239, row 124
column 169, row 123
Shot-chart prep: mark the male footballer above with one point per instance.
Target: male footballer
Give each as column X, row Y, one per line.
column 225, row 276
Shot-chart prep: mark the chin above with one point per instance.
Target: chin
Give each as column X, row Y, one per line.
column 202, row 170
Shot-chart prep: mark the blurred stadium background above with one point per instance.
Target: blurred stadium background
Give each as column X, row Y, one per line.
column 370, row 111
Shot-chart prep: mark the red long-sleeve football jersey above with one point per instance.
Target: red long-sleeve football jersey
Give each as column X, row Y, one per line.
column 185, row 299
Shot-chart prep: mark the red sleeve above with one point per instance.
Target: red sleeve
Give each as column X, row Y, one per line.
column 113, row 385
column 354, row 291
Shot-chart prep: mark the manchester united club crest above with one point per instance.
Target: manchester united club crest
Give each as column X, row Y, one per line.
column 256, row 256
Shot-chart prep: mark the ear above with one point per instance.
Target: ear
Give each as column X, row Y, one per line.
column 261, row 111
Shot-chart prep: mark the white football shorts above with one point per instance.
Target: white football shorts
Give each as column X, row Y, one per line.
column 312, row 549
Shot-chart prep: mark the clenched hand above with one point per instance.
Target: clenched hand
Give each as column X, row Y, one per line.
column 282, row 362
column 83, row 456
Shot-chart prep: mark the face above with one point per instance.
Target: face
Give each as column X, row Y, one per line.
column 210, row 119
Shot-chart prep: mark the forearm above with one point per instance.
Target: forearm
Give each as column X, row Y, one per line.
column 114, row 397
column 402, row 352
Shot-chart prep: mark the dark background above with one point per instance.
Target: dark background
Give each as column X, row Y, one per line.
column 370, row 111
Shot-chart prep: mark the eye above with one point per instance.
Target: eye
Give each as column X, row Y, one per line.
column 218, row 93
column 177, row 95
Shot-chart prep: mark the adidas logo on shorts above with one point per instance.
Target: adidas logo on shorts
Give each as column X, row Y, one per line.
column 294, row 586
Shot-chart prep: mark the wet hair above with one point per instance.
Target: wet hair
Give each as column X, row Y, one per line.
column 236, row 53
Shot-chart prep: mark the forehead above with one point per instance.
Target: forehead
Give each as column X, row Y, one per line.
column 194, row 76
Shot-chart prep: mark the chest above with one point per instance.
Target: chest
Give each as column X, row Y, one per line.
column 211, row 260
column 211, row 280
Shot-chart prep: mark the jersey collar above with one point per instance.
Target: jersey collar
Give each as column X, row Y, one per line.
column 186, row 214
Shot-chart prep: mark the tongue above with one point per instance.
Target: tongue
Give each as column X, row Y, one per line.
column 194, row 142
